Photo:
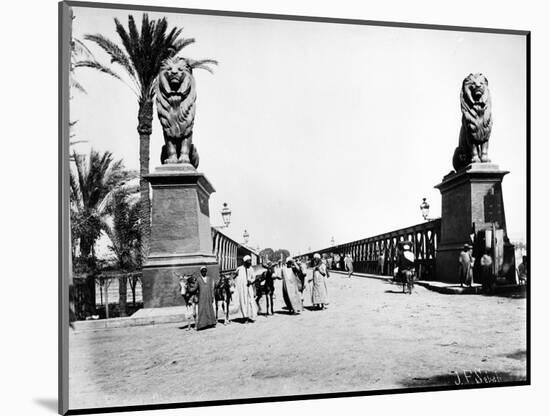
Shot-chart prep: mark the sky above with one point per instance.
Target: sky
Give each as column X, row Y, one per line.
column 317, row 130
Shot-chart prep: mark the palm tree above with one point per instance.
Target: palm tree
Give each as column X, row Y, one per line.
column 122, row 228
column 140, row 57
column 92, row 182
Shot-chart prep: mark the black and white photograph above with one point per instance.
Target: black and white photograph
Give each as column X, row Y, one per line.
column 267, row 208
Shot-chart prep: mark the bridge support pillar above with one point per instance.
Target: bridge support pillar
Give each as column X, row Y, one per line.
column 181, row 237
column 471, row 199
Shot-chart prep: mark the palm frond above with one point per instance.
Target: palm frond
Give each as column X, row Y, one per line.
column 130, row 188
column 116, row 54
column 203, row 64
column 134, row 35
column 179, row 44
column 76, row 85
column 125, row 38
column 79, row 50
column 96, row 65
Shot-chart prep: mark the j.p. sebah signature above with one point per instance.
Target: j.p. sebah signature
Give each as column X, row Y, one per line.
column 476, row 376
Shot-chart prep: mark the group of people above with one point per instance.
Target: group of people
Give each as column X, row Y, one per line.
column 296, row 284
column 466, row 262
column 340, row 262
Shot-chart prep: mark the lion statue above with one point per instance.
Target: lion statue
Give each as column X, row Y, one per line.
column 176, row 96
column 475, row 103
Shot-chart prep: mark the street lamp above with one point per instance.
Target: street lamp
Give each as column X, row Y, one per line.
column 245, row 237
column 226, row 215
column 332, row 242
column 425, row 209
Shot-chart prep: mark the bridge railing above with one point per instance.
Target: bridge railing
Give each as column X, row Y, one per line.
column 230, row 253
column 366, row 252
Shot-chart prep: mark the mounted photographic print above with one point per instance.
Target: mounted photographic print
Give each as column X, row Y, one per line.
column 267, row 207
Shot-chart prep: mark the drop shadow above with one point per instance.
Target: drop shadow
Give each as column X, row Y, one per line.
column 239, row 320
column 394, row 291
column 48, row 404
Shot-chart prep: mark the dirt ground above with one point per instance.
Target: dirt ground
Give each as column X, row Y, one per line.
column 371, row 337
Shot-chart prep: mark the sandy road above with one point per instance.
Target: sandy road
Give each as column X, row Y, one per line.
column 371, row 337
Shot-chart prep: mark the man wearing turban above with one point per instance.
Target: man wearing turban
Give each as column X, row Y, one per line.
column 244, row 286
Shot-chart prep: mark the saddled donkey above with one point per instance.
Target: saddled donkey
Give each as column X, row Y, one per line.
column 223, row 292
column 190, row 298
column 264, row 285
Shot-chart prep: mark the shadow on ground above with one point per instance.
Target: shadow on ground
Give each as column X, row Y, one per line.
column 49, row 404
column 520, row 355
column 463, row 378
column 513, row 295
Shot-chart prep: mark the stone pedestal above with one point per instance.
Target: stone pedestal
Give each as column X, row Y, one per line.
column 471, row 197
column 181, row 237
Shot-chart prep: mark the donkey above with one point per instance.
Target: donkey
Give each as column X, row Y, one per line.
column 223, row 292
column 188, row 290
column 264, row 284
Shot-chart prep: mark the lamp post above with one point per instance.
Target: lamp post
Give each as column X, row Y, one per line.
column 226, row 216
column 425, row 209
column 332, row 242
column 245, row 237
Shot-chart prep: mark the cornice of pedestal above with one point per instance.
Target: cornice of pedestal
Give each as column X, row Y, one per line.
column 155, row 260
column 179, row 174
column 484, row 172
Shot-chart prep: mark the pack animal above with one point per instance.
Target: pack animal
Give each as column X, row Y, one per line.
column 188, row 290
column 223, row 292
column 264, row 285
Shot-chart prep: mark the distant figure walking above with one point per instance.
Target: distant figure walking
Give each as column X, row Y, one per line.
column 204, row 287
column 381, row 264
column 244, row 284
column 486, row 271
column 319, row 292
column 336, row 264
column 348, row 261
column 405, row 268
column 291, row 286
column 465, row 266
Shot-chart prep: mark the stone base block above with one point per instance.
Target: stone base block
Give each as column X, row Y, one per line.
column 160, row 285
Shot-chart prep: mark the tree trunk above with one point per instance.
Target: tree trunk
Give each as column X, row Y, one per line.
column 122, row 293
column 145, row 128
column 133, row 283
column 106, row 285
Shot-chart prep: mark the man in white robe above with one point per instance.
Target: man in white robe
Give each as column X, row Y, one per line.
column 244, row 287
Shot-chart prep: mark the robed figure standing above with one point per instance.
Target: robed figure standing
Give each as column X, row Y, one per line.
column 465, row 266
column 204, row 287
column 292, row 283
column 244, row 286
column 319, row 292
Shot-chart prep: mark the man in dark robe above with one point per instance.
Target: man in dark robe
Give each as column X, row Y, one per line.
column 204, row 286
